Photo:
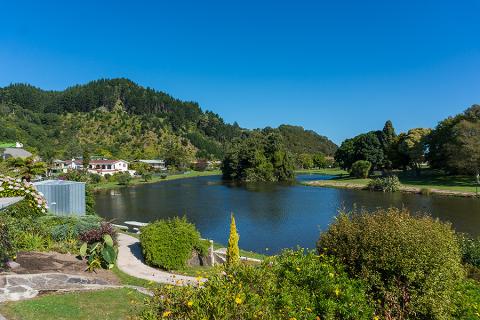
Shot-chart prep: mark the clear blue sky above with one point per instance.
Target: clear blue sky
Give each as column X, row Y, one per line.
column 337, row 67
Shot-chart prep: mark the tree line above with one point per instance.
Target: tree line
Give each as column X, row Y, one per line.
column 453, row 146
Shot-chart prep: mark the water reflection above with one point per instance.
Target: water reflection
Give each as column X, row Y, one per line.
column 273, row 216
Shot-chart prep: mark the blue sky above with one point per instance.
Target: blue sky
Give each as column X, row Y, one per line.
column 337, row 67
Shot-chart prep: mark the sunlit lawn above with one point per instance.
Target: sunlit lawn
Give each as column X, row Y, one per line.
column 85, row 305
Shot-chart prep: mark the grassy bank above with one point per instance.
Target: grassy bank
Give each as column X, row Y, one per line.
column 102, row 304
column 104, row 185
column 326, row 171
column 434, row 180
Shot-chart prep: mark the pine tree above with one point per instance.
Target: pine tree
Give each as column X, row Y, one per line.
column 233, row 252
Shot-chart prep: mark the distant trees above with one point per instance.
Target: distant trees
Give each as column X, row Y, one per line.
column 258, row 156
column 453, row 146
column 454, row 143
column 413, row 145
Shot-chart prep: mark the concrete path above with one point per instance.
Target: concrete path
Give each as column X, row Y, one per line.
column 130, row 260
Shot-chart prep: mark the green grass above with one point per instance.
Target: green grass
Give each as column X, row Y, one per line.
column 127, row 279
column 326, row 171
column 431, row 179
column 102, row 304
column 137, row 181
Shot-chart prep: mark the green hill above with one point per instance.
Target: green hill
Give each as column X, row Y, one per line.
column 119, row 118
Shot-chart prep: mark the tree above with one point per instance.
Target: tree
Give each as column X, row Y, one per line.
column 258, row 156
column 464, row 149
column 27, row 168
column 414, row 146
column 319, row 160
column 360, row 169
column 86, row 159
column 305, row 161
column 233, row 252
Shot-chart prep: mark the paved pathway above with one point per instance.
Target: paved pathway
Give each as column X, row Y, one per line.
column 130, row 260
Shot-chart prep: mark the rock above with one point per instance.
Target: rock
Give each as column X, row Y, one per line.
column 13, row 265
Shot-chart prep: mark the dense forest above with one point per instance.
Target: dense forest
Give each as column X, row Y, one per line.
column 118, row 118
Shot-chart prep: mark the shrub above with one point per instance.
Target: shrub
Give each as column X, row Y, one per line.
column 100, row 254
column 107, row 176
column 123, row 178
column 470, row 250
column 169, row 244
column 6, row 247
column 425, row 191
column 361, row 168
column 233, row 252
column 411, row 264
column 95, row 178
column 467, row 301
column 385, row 184
column 68, row 228
column 97, row 234
column 33, row 203
column 292, row 285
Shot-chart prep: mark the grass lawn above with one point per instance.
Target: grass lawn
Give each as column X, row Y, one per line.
column 127, row 279
column 431, row 179
column 136, row 181
column 326, row 171
column 101, row 304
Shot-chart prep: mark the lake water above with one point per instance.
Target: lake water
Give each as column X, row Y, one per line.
column 269, row 216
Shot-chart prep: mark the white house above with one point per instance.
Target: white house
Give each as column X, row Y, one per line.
column 102, row 166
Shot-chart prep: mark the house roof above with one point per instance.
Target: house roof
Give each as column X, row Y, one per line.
column 155, row 161
column 102, row 161
column 17, row 153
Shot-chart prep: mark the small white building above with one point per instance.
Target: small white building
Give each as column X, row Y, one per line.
column 156, row 164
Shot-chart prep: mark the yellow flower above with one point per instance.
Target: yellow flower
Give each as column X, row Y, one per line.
column 238, row 300
column 298, row 269
column 376, row 318
column 331, row 275
column 198, row 279
column 190, row 304
column 337, row 292
column 166, row 314
column 308, row 309
column 293, row 318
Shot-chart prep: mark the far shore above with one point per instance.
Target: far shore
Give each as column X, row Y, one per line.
column 107, row 185
column 429, row 183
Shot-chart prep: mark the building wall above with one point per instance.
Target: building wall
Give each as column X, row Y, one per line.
column 64, row 197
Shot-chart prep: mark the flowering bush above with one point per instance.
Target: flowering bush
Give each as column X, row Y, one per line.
column 412, row 265
column 292, row 285
column 11, row 187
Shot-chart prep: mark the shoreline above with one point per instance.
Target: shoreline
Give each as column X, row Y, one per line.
column 138, row 181
column 403, row 188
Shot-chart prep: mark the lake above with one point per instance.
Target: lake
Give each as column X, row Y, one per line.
column 269, row 216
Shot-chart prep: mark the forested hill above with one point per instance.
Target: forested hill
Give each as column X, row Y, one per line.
column 119, row 118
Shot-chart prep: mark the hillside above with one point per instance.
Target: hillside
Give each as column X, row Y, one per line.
column 119, row 118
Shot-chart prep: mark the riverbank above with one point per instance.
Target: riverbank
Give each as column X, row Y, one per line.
column 107, row 185
column 428, row 183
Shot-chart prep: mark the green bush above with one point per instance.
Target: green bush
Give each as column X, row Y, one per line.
column 34, row 200
column 6, row 248
column 21, row 209
column 411, row 264
column 425, row 191
column 385, row 184
column 169, row 244
column 467, row 301
column 292, row 285
column 123, row 178
column 360, row 169
column 470, row 250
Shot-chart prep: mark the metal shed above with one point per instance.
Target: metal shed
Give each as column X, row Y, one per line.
column 63, row 197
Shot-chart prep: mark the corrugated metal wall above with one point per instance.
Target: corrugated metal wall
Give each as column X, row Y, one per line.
column 63, row 197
